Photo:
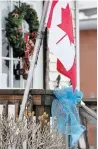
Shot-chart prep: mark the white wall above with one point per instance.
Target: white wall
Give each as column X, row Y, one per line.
column 38, row 74
column 87, row 4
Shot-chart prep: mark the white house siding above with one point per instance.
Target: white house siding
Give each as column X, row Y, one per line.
column 51, row 59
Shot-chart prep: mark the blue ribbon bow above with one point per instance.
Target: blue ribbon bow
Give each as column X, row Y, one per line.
column 65, row 110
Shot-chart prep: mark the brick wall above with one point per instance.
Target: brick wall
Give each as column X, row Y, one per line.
column 91, row 134
column 88, row 62
column 88, row 69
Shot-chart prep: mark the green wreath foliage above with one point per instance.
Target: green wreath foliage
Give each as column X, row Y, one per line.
column 13, row 23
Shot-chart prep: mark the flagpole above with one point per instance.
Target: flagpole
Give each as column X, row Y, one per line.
column 34, row 58
column 78, row 49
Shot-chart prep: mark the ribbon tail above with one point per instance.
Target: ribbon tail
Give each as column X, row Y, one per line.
column 74, row 138
column 76, row 128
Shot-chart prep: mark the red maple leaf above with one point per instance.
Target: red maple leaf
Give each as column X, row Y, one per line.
column 66, row 24
column 71, row 74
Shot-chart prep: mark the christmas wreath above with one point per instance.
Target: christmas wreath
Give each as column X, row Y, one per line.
column 22, row 43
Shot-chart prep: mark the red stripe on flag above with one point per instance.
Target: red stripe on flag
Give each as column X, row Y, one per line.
column 71, row 74
column 51, row 13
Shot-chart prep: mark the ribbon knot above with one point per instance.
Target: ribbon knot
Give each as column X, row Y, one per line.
column 65, row 110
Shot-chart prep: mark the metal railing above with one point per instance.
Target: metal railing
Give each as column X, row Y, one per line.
column 88, row 116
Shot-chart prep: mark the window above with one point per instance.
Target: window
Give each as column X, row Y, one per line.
column 9, row 65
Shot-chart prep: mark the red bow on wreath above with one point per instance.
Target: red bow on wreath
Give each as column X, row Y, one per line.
column 28, row 50
column 27, row 47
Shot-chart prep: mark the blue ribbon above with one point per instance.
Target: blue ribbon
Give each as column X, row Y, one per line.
column 65, row 110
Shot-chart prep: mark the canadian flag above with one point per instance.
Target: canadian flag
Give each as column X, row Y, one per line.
column 61, row 38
